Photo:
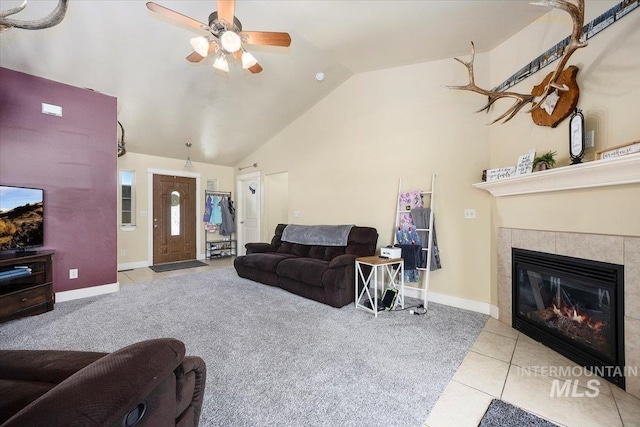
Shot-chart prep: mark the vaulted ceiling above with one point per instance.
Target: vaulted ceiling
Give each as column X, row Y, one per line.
column 121, row 49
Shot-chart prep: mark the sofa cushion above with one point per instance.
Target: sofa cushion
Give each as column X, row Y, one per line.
column 306, row 270
column 265, row 262
column 294, row 249
column 325, row 253
column 362, row 241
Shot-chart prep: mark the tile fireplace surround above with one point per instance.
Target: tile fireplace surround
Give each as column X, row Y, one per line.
column 614, row 249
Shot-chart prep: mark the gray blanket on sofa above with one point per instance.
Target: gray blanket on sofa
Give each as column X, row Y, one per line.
column 325, row 235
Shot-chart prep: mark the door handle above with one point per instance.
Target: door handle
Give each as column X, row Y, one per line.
column 155, row 225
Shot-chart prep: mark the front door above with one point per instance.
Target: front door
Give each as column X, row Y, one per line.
column 174, row 219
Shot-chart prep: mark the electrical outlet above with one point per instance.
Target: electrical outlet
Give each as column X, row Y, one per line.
column 296, row 214
column 589, row 139
column 123, row 252
column 73, row 273
column 469, row 214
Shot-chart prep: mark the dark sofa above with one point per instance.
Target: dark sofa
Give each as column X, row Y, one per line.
column 322, row 273
column 150, row 381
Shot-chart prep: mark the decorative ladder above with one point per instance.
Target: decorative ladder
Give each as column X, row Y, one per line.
column 425, row 275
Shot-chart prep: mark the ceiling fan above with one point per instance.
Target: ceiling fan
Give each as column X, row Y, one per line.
column 225, row 36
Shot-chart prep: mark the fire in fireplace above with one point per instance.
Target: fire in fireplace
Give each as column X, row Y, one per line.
column 573, row 306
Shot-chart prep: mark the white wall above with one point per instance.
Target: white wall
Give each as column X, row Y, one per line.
column 276, row 200
column 346, row 155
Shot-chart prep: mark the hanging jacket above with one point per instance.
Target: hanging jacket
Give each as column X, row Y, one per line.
column 227, row 226
column 216, row 213
column 207, row 209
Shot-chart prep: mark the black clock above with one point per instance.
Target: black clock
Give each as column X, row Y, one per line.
column 576, row 137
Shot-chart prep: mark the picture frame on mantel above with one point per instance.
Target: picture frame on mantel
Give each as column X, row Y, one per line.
column 525, row 163
column 499, row 173
column 617, row 151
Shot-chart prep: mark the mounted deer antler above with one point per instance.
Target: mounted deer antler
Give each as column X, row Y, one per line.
column 521, row 99
column 561, row 79
column 54, row 18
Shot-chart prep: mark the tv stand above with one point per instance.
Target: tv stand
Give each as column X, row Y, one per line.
column 26, row 284
column 25, row 253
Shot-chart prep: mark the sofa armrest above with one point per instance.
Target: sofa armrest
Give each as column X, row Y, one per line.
column 253, row 248
column 104, row 392
column 191, row 377
column 342, row 260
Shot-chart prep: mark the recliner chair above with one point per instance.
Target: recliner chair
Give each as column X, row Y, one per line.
column 149, row 383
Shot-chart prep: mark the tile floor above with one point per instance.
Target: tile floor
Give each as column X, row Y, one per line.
column 503, row 364
column 508, row 365
column 127, row 277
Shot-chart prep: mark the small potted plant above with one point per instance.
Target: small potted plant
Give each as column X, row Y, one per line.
column 545, row 161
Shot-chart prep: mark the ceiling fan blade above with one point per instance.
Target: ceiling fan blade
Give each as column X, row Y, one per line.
column 226, row 9
column 195, row 57
column 267, row 38
column 255, row 69
column 154, row 7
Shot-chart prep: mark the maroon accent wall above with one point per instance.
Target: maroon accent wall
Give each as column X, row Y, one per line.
column 73, row 158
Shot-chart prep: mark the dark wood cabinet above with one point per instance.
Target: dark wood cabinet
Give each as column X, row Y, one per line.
column 26, row 285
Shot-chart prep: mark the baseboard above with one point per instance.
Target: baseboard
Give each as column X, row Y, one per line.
column 87, row 292
column 465, row 304
column 494, row 311
column 132, row 265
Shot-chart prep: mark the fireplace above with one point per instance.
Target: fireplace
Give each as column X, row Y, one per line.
column 574, row 306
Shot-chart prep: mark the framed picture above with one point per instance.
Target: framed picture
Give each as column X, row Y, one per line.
column 500, row 173
column 620, row 150
column 525, row 163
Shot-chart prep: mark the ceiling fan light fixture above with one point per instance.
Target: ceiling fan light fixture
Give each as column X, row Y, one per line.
column 200, row 45
column 231, row 41
column 221, row 63
column 248, row 60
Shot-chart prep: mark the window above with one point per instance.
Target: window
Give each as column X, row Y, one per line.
column 127, row 197
column 175, row 213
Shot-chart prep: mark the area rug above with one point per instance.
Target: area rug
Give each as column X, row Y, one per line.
column 503, row 414
column 273, row 358
column 161, row 268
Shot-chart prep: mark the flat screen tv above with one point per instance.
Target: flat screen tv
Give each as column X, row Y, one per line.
column 21, row 218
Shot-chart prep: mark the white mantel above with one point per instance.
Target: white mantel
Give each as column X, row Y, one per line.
column 598, row 173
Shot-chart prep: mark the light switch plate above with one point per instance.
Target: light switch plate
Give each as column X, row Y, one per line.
column 589, row 139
